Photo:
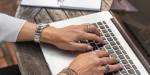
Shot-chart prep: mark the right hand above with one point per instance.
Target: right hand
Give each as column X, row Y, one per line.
column 92, row 63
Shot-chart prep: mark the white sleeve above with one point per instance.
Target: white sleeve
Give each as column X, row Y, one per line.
column 9, row 28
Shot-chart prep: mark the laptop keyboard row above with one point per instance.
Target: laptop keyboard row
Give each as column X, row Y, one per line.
column 113, row 46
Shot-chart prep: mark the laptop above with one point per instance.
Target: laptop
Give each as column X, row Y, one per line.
column 116, row 44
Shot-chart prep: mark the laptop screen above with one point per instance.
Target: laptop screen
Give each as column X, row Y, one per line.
column 139, row 23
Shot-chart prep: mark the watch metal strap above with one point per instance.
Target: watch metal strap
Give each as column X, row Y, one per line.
column 39, row 28
column 68, row 71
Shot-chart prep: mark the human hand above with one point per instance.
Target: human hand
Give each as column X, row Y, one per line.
column 94, row 63
column 68, row 38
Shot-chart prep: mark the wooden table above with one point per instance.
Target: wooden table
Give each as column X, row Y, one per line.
column 30, row 57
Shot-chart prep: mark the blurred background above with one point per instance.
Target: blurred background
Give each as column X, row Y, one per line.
column 7, row 50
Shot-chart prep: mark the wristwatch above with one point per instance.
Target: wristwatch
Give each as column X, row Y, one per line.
column 67, row 71
column 39, row 28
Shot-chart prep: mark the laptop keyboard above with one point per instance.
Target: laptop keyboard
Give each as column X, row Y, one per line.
column 113, row 46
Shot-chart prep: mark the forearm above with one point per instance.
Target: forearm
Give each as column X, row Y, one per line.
column 27, row 32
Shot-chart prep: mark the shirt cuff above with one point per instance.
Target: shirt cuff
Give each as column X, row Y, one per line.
column 10, row 28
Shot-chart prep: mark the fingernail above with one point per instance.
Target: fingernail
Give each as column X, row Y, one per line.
column 121, row 65
column 90, row 47
column 104, row 43
column 118, row 61
column 113, row 55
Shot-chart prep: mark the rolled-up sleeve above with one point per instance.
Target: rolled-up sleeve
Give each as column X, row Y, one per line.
column 9, row 28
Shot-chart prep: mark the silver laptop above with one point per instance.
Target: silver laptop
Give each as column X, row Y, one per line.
column 58, row 59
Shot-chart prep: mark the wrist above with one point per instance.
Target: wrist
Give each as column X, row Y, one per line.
column 38, row 32
column 48, row 35
column 62, row 74
column 67, row 71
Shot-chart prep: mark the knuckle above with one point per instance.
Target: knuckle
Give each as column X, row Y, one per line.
column 111, row 68
column 93, row 26
column 85, row 47
column 103, row 52
column 101, row 62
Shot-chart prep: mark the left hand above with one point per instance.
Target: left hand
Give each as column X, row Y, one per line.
column 68, row 38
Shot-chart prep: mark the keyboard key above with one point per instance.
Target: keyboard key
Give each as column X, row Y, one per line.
column 115, row 38
column 124, row 61
column 99, row 44
column 104, row 22
column 99, row 23
column 83, row 41
column 130, row 61
column 127, row 57
column 131, row 71
column 95, row 48
column 92, row 44
column 123, row 71
column 91, row 41
column 124, row 52
column 109, row 30
column 110, row 51
column 109, row 39
column 112, row 34
column 134, row 66
column 117, row 73
column 121, row 47
column 121, row 57
column 137, row 72
column 115, row 48
column 104, row 31
column 107, row 46
column 107, row 35
column 118, row 52
column 102, row 27
column 118, row 42
column 112, row 43
column 106, row 26
column 127, row 66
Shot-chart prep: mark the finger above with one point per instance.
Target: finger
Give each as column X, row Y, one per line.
column 90, row 36
column 107, row 60
column 90, row 28
column 93, row 29
column 81, row 47
column 113, row 68
column 101, row 54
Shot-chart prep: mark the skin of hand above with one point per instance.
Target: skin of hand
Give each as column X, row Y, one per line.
column 92, row 63
column 68, row 38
